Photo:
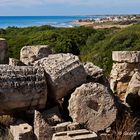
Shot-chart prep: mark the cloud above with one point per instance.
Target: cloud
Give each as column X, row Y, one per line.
column 42, row 2
column 20, row 2
column 27, row 3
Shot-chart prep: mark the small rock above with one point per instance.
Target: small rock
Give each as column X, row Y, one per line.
column 22, row 131
column 62, row 127
column 15, row 62
column 73, row 126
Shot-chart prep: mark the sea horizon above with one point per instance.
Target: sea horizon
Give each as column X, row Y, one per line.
column 55, row 21
column 27, row 21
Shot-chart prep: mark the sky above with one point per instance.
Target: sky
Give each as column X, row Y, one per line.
column 67, row 7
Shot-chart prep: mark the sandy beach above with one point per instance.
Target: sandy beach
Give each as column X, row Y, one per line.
column 99, row 25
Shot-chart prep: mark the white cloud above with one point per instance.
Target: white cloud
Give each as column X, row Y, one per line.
column 20, row 2
column 36, row 2
column 26, row 3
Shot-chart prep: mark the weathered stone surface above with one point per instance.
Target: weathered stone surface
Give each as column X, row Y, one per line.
column 3, row 51
column 74, row 126
column 93, row 106
column 120, row 77
column 126, row 56
column 82, row 134
column 29, row 54
column 21, row 87
column 95, row 74
column 93, row 70
column 15, row 62
column 62, row 127
column 44, row 123
column 21, row 131
column 64, row 73
column 133, row 92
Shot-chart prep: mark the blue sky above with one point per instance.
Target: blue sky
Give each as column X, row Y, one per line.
column 68, row 7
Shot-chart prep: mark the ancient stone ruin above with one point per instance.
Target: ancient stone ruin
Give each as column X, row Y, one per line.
column 21, row 87
column 90, row 104
column 57, row 97
column 64, row 72
column 126, row 63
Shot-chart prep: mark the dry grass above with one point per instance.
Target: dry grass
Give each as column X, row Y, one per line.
column 6, row 120
column 124, row 129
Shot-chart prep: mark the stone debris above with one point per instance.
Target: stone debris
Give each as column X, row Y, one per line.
column 73, row 126
column 82, row 134
column 64, row 73
column 122, row 71
column 15, row 62
column 29, row 54
column 126, row 56
column 4, row 58
column 22, row 131
column 62, row 89
column 45, row 122
column 21, row 87
column 62, row 127
column 93, row 105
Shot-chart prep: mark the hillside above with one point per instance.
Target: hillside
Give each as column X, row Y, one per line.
column 92, row 45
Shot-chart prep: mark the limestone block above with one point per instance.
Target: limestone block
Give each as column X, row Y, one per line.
column 73, row 126
column 44, row 123
column 21, row 87
column 64, row 72
column 81, row 134
column 21, row 131
column 29, row 54
column 93, row 70
column 62, row 127
column 126, row 56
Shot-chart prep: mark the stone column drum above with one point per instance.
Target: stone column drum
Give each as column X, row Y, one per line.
column 21, row 87
column 93, row 106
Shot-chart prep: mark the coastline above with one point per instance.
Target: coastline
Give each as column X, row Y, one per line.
column 122, row 21
column 99, row 25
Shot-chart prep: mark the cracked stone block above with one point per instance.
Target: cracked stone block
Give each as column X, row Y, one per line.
column 22, row 88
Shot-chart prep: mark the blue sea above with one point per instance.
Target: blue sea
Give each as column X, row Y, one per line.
column 26, row 21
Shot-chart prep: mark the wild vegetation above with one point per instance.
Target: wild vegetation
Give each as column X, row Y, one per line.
column 90, row 44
